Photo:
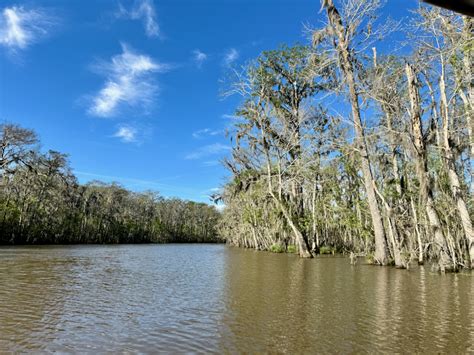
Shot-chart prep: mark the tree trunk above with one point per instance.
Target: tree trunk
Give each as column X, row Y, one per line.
column 467, row 63
column 313, row 214
column 452, row 174
column 418, row 234
column 303, row 247
column 426, row 194
column 392, row 233
column 348, row 70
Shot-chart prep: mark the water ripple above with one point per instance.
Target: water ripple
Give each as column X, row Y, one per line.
column 212, row 298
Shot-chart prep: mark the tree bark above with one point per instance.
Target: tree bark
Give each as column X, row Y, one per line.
column 467, row 63
column 303, row 247
column 393, row 151
column 425, row 191
column 452, row 174
column 342, row 47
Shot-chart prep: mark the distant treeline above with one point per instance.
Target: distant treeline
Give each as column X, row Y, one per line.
column 41, row 202
column 340, row 147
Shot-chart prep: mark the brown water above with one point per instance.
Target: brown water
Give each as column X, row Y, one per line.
column 213, row 298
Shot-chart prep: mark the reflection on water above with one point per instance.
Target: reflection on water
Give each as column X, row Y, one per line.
column 143, row 298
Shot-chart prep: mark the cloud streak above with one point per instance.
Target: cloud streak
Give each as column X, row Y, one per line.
column 206, row 132
column 231, row 56
column 126, row 134
column 231, row 117
column 211, row 163
column 208, row 150
column 128, row 82
column 143, row 10
column 20, row 28
column 199, row 57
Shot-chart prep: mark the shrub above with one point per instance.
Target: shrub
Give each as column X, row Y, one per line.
column 327, row 250
column 370, row 258
column 277, row 248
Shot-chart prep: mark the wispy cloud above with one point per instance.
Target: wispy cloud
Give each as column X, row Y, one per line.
column 206, row 132
column 231, row 56
column 143, row 10
column 210, row 163
column 126, row 134
column 199, row 57
column 20, row 27
column 208, row 150
column 231, row 122
column 128, row 82
column 231, row 117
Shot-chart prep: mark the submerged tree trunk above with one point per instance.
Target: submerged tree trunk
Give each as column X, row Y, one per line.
column 303, row 247
column 348, row 70
column 425, row 191
column 392, row 224
column 316, row 245
column 392, row 233
column 454, row 183
column 297, row 190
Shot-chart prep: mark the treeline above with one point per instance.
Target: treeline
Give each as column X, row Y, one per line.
column 341, row 147
column 41, row 202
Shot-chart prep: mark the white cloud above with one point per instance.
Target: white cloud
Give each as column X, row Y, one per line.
column 208, row 150
column 199, row 57
column 206, row 132
column 231, row 56
column 142, row 10
column 127, row 134
column 19, row 27
column 128, row 82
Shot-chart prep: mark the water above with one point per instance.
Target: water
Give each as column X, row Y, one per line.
column 213, row 298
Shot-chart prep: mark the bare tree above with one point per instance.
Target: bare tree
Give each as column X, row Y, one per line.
column 342, row 31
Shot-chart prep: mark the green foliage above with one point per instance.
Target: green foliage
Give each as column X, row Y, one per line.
column 291, row 249
column 277, row 248
column 41, row 202
column 370, row 258
column 327, row 250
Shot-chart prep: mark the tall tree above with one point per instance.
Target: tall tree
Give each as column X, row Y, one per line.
column 342, row 33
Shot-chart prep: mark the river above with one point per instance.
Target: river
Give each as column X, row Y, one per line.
column 215, row 298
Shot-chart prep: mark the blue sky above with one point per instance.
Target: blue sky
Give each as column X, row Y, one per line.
column 131, row 89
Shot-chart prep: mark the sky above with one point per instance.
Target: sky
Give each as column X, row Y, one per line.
column 132, row 90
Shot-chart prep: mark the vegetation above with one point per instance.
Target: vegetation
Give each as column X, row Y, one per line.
column 339, row 148
column 42, row 202
column 277, row 248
